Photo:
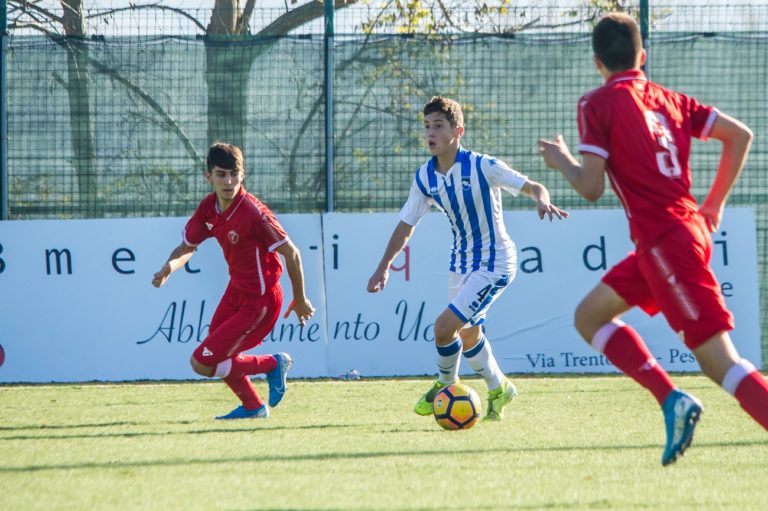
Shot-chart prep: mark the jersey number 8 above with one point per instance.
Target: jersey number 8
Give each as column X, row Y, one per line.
column 666, row 159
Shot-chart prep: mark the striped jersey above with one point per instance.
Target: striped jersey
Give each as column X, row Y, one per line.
column 248, row 233
column 470, row 196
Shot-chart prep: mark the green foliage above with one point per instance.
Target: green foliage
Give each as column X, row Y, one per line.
column 567, row 443
column 435, row 17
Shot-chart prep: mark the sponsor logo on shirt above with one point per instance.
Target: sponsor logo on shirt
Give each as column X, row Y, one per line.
column 207, row 352
column 233, row 237
column 209, row 226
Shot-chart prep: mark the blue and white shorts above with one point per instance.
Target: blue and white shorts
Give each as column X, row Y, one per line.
column 471, row 294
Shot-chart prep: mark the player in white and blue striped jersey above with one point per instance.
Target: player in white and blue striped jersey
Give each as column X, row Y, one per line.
column 466, row 186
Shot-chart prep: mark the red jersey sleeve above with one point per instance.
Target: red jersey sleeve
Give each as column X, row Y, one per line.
column 268, row 229
column 702, row 117
column 196, row 232
column 592, row 136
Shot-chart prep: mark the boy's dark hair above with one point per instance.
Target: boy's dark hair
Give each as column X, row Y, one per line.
column 448, row 107
column 225, row 156
column 617, row 42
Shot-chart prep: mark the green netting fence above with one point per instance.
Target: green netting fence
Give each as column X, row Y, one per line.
column 117, row 124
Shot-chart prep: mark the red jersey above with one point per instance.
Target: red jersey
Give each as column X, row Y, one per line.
column 248, row 233
column 644, row 131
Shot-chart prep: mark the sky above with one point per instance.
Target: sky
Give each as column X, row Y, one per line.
column 207, row 4
column 722, row 19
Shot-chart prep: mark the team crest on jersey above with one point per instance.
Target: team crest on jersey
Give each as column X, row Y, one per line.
column 209, row 226
column 492, row 161
column 465, row 184
column 233, row 237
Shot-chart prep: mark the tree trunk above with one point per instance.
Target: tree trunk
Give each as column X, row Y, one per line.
column 228, row 66
column 79, row 92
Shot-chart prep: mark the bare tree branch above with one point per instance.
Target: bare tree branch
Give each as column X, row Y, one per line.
column 245, row 19
column 154, row 105
column 158, row 6
column 27, row 6
column 301, row 15
column 447, row 14
column 34, row 26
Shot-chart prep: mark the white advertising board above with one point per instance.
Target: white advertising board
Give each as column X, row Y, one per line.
column 76, row 302
column 531, row 325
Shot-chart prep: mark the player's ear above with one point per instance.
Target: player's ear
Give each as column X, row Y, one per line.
column 460, row 131
column 641, row 58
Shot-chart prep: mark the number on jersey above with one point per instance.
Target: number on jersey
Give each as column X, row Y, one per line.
column 666, row 159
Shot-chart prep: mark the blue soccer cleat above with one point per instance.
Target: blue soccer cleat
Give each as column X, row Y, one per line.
column 242, row 412
column 277, row 378
column 681, row 413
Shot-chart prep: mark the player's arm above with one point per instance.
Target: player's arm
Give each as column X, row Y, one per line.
column 176, row 260
column 539, row 193
column 300, row 303
column 587, row 178
column 736, row 138
column 397, row 242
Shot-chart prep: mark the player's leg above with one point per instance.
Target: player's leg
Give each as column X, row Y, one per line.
column 448, row 345
column 223, row 311
column 597, row 320
column 480, row 358
column 687, row 292
column 626, row 349
column 720, row 361
column 471, row 302
column 704, row 319
column 479, row 355
column 241, row 323
column 275, row 366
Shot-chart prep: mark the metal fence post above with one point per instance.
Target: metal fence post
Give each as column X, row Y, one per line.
column 329, row 186
column 3, row 110
column 644, row 25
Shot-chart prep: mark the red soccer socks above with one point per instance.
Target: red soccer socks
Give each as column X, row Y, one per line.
column 623, row 346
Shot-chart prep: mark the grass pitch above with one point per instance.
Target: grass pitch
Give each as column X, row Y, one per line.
column 571, row 443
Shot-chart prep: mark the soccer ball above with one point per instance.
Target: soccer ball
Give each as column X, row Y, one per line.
column 456, row 406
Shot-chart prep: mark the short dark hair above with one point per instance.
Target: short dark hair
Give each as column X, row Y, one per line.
column 450, row 108
column 225, row 156
column 617, row 42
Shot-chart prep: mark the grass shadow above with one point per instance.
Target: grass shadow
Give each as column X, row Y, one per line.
column 111, row 465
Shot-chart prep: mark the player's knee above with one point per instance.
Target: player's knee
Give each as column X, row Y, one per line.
column 199, row 368
column 584, row 322
column 444, row 333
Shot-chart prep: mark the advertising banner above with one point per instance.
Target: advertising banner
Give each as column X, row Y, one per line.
column 76, row 303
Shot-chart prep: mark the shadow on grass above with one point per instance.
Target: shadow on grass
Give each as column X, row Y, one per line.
column 35, row 427
column 139, row 434
column 111, row 465
column 89, row 425
column 596, row 504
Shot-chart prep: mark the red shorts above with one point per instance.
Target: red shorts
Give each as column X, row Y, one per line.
column 674, row 277
column 241, row 321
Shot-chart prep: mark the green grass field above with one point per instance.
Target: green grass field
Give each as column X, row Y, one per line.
column 574, row 443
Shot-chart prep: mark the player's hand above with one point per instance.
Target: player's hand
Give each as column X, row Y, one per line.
column 378, row 281
column 303, row 310
column 550, row 210
column 712, row 216
column 161, row 276
column 555, row 152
